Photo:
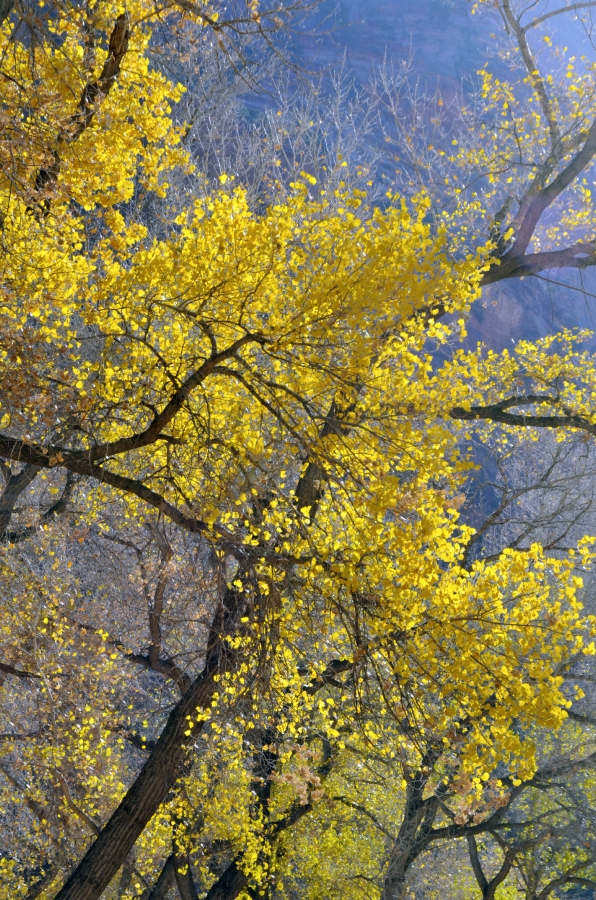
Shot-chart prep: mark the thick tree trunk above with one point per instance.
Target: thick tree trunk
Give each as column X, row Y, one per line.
column 159, row 774
column 409, row 845
column 109, row 850
column 116, row 839
column 414, row 833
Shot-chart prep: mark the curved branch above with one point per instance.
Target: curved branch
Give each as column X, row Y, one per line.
column 13, row 449
column 365, row 812
column 533, row 208
column 154, row 431
column 579, row 256
column 557, row 12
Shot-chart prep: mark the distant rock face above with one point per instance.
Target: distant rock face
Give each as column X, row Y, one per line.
column 531, row 308
column 442, row 38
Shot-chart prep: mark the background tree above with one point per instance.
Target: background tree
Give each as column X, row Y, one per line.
column 516, row 144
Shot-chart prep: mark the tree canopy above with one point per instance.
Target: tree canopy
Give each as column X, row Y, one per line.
column 250, row 643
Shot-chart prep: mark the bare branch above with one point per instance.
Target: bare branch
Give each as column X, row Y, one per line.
column 557, row 12
column 533, row 72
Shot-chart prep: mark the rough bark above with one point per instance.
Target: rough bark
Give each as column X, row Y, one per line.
column 92, row 93
column 414, row 833
column 109, row 851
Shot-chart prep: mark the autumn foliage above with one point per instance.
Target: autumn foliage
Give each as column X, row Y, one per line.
column 236, row 445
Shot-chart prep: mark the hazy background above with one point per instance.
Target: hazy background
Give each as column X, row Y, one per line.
column 447, row 44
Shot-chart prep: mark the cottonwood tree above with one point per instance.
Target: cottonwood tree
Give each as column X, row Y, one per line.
column 542, row 829
column 258, row 383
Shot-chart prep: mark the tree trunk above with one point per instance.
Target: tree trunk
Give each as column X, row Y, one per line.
column 184, row 879
column 117, row 838
column 163, row 883
column 414, row 833
column 159, row 774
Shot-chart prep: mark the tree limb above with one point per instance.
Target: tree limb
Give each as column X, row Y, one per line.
column 92, row 92
column 475, row 862
column 497, row 412
column 530, row 63
column 557, row 12
column 579, row 256
column 164, row 882
column 533, row 208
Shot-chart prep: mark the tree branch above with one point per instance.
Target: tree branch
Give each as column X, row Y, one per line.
column 579, row 256
column 164, row 882
column 365, row 812
column 13, row 449
column 533, row 208
column 532, row 68
column 475, row 862
column 154, row 431
column 92, row 93
column 557, row 12
column 497, row 412
column 165, row 667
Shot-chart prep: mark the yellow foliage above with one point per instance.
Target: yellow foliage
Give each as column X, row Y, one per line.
column 211, row 370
